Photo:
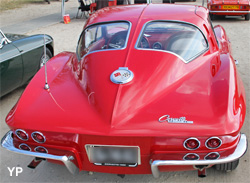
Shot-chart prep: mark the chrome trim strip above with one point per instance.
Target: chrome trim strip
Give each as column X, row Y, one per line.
column 229, row 11
column 92, row 145
column 7, row 143
column 192, row 138
column 213, row 138
column 239, row 152
column 39, row 134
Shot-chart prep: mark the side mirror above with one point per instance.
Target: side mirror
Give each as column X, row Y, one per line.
column 3, row 42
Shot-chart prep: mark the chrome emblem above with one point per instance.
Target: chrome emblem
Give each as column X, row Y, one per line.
column 166, row 118
column 122, row 76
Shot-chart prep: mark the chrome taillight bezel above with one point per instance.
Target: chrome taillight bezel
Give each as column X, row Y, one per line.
column 191, row 138
column 39, row 134
column 23, row 132
column 213, row 138
column 198, row 157
column 24, row 145
column 205, row 158
column 42, row 148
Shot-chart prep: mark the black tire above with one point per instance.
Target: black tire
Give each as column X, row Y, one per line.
column 247, row 17
column 48, row 56
column 227, row 166
column 119, row 2
column 212, row 16
column 168, row 1
column 140, row 1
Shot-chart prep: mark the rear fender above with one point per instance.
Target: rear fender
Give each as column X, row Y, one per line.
column 224, row 42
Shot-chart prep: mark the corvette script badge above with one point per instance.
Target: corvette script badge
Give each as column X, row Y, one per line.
column 122, row 76
column 166, row 118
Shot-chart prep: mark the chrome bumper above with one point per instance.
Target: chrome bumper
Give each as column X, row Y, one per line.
column 239, row 151
column 7, row 143
column 229, row 11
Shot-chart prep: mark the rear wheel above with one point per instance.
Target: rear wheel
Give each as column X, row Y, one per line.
column 168, row 1
column 140, row 1
column 247, row 17
column 227, row 166
column 212, row 16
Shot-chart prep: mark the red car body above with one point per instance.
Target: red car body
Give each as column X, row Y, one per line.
column 229, row 8
column 174, row 112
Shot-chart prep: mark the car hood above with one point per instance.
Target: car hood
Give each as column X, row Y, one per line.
column 82, row 99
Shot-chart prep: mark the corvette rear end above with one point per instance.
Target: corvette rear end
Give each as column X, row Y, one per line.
column 141, row 95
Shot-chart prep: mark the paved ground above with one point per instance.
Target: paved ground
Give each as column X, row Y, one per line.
column 46, row 19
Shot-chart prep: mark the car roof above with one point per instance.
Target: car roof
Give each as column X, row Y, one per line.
column 148, row 12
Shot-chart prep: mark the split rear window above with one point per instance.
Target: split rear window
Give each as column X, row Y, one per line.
column 179, row 38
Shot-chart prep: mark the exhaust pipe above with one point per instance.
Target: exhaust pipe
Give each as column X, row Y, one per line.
column 201, row 170
column 202, row 173
column 35, row 162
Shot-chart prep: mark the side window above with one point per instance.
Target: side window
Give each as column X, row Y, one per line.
column 182, row 39
column 106, row 36
column 98, row 33
column 92, row 35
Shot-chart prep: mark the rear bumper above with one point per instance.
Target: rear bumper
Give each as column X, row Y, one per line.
column 239, row 152
column 232, row 12
column 7, row 143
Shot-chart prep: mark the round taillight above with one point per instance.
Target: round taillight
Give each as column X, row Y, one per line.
column 41, row 149
column 212, row 156
column 213, row 143
column 24, row 147
column 38, row 137
column 21, row 134
column 192, row 143
column 191, row 156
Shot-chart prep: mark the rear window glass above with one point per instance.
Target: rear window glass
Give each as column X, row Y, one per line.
column 103, row 37
column 182, row 39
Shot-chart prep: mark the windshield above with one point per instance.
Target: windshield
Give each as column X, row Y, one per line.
column 105, row 36
column 182, row 39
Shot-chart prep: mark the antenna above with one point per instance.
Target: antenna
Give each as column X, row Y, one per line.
column 149, row 1
column 46, row 87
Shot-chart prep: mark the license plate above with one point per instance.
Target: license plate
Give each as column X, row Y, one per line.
column 113, row 155
column 230, row 7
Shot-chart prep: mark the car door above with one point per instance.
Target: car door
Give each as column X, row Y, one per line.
column 11, row 67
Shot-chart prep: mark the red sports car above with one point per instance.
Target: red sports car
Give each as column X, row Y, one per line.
column 151, row 88
column 229, row 8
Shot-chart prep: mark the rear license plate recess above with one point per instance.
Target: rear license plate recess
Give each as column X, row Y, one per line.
column 112, row 155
